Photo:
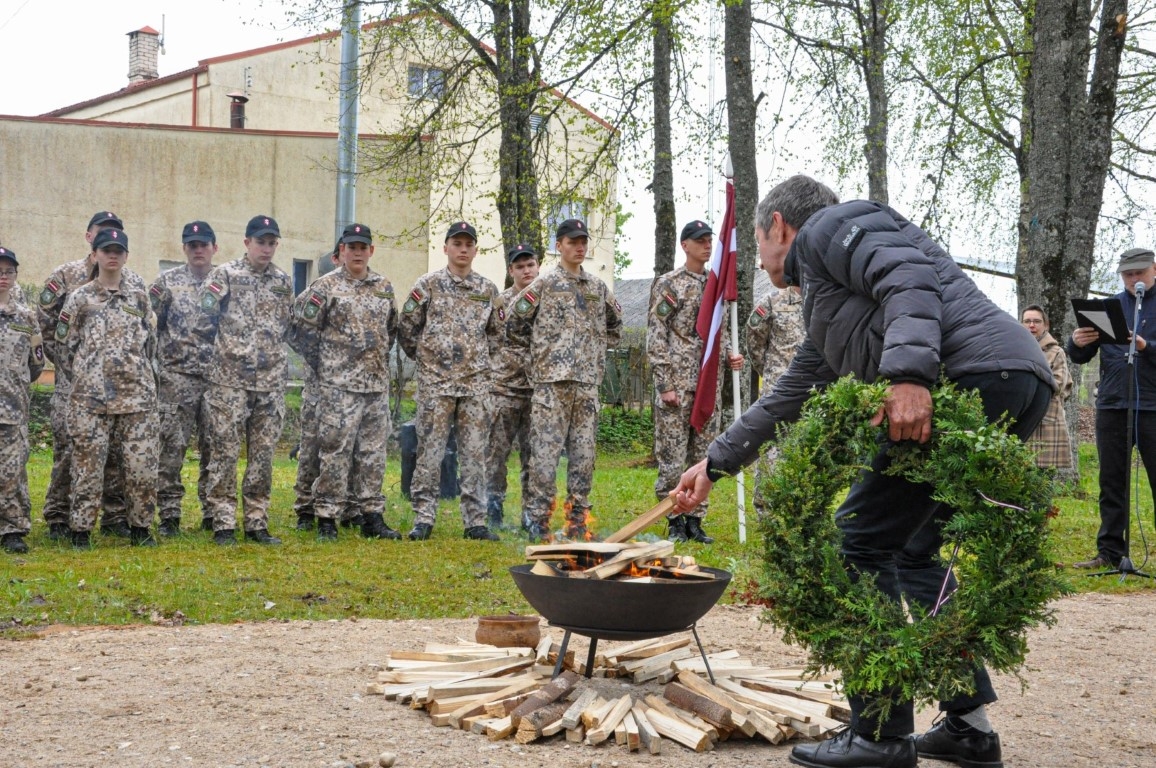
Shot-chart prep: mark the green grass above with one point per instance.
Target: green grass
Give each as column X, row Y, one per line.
column 446, row 576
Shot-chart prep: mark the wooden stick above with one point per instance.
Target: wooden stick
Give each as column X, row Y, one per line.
column 630, row 725
column 604, row 729
column 643, row 521
column 646, row 733
column 708, row 710
column 573, row 715
column 547, row 694
column 663, row 706
column 678, row 730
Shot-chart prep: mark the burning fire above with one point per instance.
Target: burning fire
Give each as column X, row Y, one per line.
column 581, row 529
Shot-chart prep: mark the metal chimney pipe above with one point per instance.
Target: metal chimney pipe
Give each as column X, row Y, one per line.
column 237, row 110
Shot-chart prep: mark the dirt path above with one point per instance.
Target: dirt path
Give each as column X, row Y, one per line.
column 292, row 694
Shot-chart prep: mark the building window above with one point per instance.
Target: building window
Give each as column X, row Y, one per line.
column 538, row 123
column 302, row 268
column 426, row 82
column 574, row 209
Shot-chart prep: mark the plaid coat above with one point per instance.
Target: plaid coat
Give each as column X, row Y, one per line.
column 1051, row 442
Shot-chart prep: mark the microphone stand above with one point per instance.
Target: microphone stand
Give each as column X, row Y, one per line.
column 1126, row 568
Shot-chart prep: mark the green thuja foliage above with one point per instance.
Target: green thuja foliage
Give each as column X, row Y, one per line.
column 1002, row 502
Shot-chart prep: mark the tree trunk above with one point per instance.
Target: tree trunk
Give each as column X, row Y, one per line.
column 741, row 120
column 518, row 210
column 665, row 232
column 875, row 78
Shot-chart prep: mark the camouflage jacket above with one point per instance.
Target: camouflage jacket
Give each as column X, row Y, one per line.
column 175, row 299
column 21, row 360
column 107, row 341
column 673, row 346
column 245, row 315
column 344, row 328
column 567, row 321
column 450, row 326
column 64, row 280
column 510, row 361
column 774, row 329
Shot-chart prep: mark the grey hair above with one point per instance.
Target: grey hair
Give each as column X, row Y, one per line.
column 795, row 199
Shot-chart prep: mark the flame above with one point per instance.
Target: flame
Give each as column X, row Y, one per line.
column 579, row 530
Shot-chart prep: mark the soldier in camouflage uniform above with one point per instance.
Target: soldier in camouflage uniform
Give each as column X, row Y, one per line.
column 344, row 326
column 674, row 351
column 567, row 318
column 183, row 356
column 63, row 280
column 449, row 324
column 774, row 329
column 106, row 340
column 510, row 400
column 245, row 308
column 21, row 361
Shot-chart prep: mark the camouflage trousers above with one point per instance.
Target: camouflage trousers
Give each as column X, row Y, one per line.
column 677, row 445
column 234, row 415
column 58, row 499
column 307, row 466
column 353, row 430
column 93, row 436
column 180, row 405
column 15, row 505
column 509, row 423
column 435, row 415
column 563, row 416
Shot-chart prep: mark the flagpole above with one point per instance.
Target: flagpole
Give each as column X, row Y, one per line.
column 737, row 393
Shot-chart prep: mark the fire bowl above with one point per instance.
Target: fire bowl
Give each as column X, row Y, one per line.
column 611, row 609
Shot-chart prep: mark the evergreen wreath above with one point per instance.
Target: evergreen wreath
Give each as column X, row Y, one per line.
column 1006, row 577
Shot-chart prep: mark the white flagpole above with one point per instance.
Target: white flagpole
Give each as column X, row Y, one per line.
column 736, row 391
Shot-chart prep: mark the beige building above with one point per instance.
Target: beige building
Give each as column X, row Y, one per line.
column 255, row 133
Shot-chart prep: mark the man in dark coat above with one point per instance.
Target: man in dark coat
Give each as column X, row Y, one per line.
column 882, row 301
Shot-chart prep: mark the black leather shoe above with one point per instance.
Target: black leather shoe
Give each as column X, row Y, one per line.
column 421, row 532
column 972, row 749
column 141, row 537
column 481, row 533
column 59, row 532
column 850, row 750
column 120, row 530
column 81, row 540
column 326, row 529
column 374, row 527
column 14, row 543
column 1098, row 562
column 261, row 536
column 207, row 524
column 676, row 528
column 694, row 531
column 170, row 526
column 305, row 521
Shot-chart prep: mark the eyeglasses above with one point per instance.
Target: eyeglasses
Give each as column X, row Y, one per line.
column 7, row 273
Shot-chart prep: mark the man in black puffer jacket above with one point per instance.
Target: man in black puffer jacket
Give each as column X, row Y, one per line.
column 884, row 302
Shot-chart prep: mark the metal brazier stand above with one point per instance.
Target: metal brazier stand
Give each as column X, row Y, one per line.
column 620, row 610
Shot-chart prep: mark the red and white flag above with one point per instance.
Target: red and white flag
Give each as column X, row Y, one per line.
column 721, row 286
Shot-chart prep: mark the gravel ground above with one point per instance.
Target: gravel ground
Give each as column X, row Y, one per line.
column 292, row 694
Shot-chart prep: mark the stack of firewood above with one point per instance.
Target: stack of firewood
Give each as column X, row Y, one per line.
column 639, row 562
column 508, row 693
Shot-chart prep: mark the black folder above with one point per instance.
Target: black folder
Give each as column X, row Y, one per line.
column 1105, row 315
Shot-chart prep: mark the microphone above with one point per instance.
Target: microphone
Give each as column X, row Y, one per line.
column 1140, row 289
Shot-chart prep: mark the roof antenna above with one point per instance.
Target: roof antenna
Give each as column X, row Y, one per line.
column 162, row 40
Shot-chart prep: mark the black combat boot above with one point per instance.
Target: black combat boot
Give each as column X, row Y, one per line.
column 170, row 526
column 326, row 529
column 694, row 530
column 261, row 536
column 375, row 527
column 676, row 528
column 538, row 532
column 225, row 538
column 207, row 524
column 59, row 532
column 353, row 522
column 141, row 537
column 119, row 529
column 421, row 532
column 495, row 516
column 481, row 533
column 305, row 521
column 14, row 543
column 81, row 540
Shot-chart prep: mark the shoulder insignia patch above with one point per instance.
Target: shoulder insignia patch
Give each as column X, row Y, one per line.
column 502, row 314
column 617, row 307
column 50, row 292
column 312, row 306
column 758, row 314
column 526, row 303
column 215, row 288
column 209, row 301
column 38, row 353
column 157, row 291
column 62, row 325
